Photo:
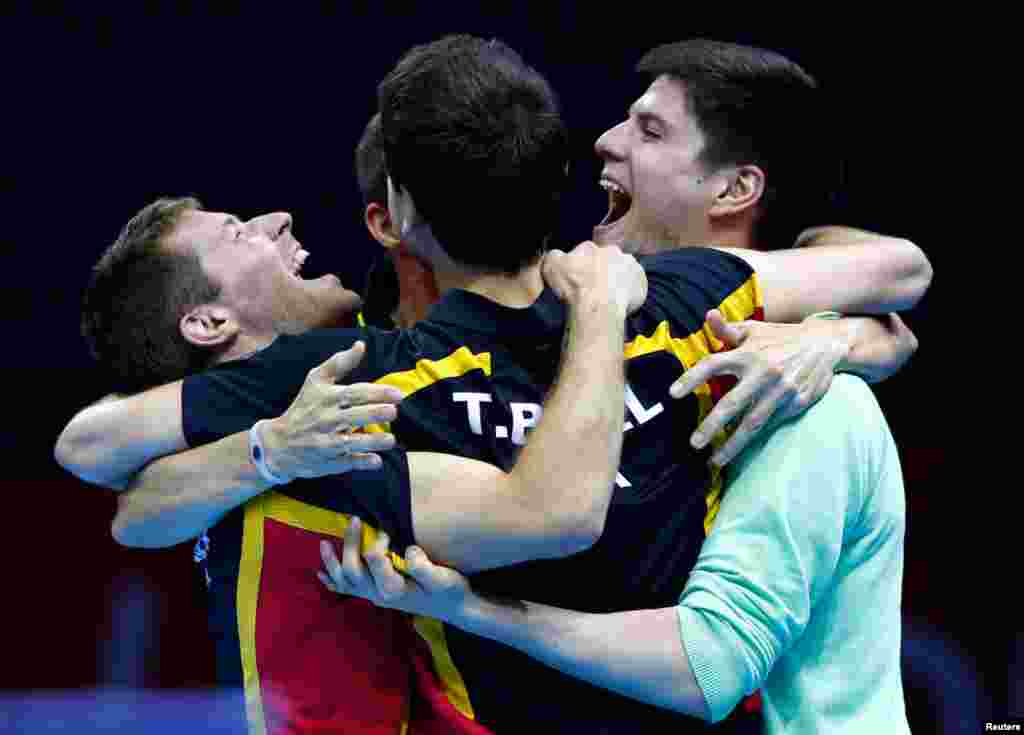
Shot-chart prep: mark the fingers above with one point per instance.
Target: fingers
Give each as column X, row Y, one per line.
column 326, row 580
column 731, row 333
column 342, row 363
column 363, row 461
column 724, row 363
column 364, row 394
column 552, row 270
column 431, row 577
column 363, row 441
column 339, row 364
column 814, row 387
column 735, row 402
column 420, row 568
column 332, row 579
column 360, row 416
column 388, row 581
column 776, row 399
column 351, row 554
column 350, row 575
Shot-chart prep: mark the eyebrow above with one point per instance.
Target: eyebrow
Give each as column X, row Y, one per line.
column 648, row 116
column 231, row 220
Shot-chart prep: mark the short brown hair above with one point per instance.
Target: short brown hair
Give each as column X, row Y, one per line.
column 137, row 294
column 755, row 106
column 371, row 173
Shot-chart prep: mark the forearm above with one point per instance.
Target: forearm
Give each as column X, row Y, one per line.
column 109, row 441
column 177, row 498
column 850, row 273
column 636, row 653
column 913, row 271
column 568, row 469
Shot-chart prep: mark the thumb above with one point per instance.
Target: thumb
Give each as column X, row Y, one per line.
column 429, row 575
column 340, row 364
column 732, row 334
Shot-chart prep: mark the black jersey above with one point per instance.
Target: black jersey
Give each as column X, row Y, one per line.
column 474, row 376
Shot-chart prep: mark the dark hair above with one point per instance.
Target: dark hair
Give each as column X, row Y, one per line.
column 381, row 294
column 371, row 173
column 755, row 106
column 138, row 293
column 476, row 137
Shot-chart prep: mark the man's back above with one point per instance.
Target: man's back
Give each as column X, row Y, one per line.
column 475, row 375
column 811, row 573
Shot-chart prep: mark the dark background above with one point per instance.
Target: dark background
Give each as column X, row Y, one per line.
column 262, row 113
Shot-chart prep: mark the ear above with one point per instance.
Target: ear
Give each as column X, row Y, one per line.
column 741, row 190
column 209, row 326
column 378, row 222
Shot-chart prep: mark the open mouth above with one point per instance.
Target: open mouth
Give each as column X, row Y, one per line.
column 619, row 202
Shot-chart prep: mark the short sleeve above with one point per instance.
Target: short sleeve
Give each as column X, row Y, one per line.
column 684, row 284
column 233, row 396
column 381, row 498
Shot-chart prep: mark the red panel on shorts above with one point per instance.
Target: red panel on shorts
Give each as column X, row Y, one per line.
column 327, row 663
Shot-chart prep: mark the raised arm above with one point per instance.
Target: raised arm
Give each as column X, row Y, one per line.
column 554, row 501
column 111, row 440
column 177, row 497
column 849, row 271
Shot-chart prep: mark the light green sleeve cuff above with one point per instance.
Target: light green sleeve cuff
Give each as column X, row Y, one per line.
column 722, row 685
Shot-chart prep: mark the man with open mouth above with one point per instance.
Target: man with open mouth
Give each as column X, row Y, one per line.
column 521, row 416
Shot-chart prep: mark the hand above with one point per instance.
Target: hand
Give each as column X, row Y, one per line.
column 426, row 588
column 783, row 369
column 314, row 436
column 888, row 345
column 591, row 270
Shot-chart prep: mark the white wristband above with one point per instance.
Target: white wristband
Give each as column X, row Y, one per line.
column 258, row 455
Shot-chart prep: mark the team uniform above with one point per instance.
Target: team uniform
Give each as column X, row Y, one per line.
column 474, row 375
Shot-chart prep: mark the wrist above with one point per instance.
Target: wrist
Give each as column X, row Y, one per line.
column 845, row 334
column 264, row 443
column 476, row 615
column 596, row 306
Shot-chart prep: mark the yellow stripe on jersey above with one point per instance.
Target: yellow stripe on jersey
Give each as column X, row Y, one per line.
column 428, row 372
column 250, row 568
column 360, row 319
column 741, row 304
column 432, row 631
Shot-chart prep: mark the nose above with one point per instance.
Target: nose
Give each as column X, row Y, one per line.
column 610, row 145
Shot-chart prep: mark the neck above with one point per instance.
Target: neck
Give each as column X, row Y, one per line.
column 517, row 291
column 732, row 233
column 720, row 237
column 244, row 345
